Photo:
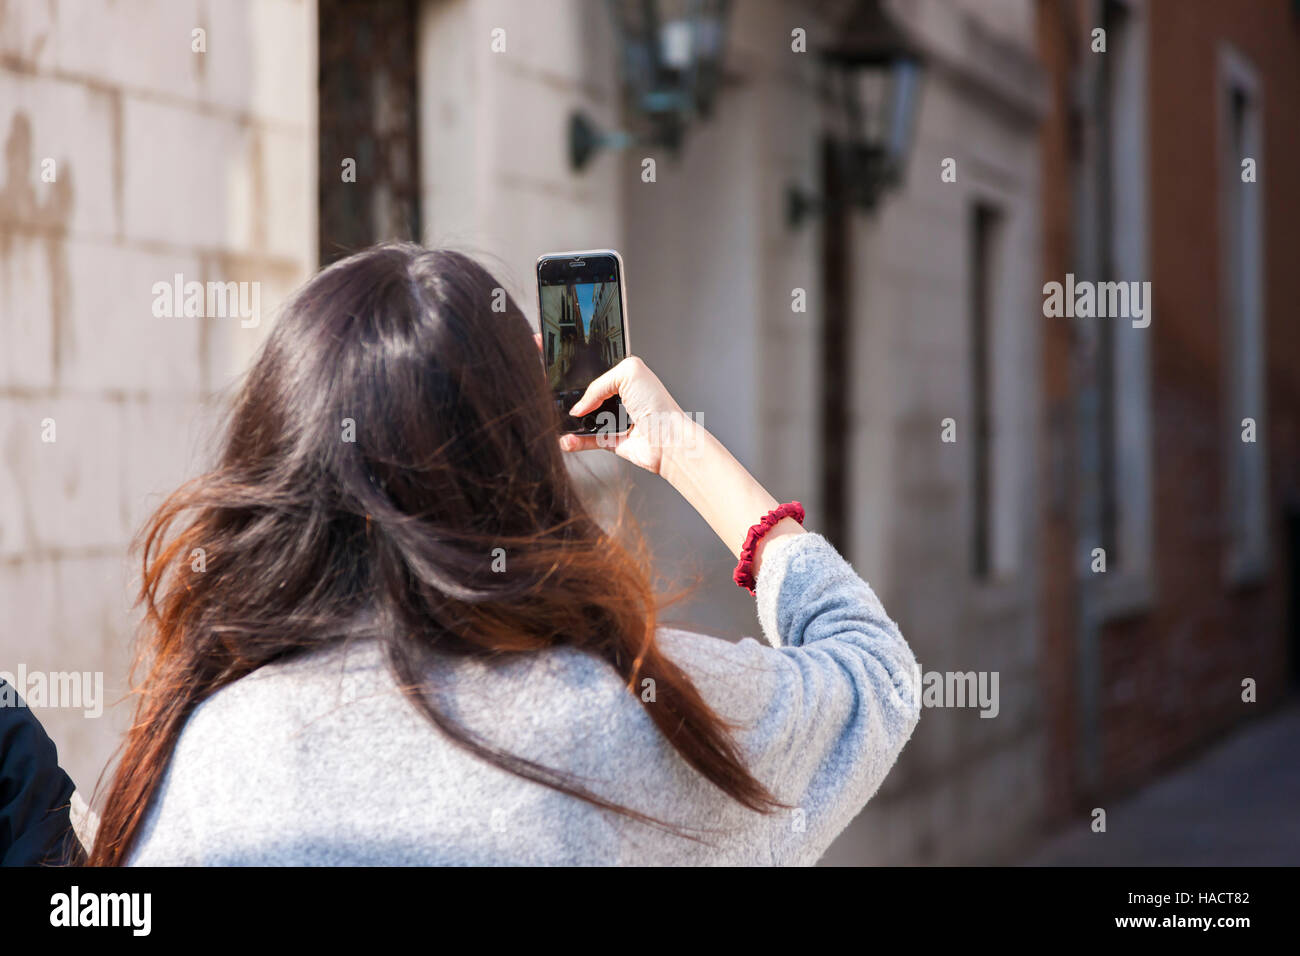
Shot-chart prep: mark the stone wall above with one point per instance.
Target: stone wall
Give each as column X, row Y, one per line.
column 164, row 160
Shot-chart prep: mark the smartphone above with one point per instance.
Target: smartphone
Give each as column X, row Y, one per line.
column 582, row 301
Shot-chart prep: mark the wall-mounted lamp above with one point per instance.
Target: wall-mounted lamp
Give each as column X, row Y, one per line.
column 871, row 77
column 671, row 53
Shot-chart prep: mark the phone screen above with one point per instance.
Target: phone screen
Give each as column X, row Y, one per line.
column 583, row 332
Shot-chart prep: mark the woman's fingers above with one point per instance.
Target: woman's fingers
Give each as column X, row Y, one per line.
column 630, row 445
column 588, row 442
column 613, row 382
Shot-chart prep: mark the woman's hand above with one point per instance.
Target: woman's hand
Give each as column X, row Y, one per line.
column 657, row 422
column 666, row 441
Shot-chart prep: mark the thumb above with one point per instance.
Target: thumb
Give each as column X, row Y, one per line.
column 600, row 389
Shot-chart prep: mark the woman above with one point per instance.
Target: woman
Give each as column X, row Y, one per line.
column 385, row 630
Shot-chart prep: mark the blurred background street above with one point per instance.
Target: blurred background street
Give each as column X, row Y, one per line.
column 1233, row 806
column 838, row 219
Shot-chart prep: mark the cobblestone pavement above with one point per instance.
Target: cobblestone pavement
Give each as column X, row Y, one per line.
column 1236, row 805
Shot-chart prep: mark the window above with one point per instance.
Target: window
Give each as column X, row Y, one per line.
column 1114, row 248
column 996, row 421
column 1112, row 90
column 984, row 227
column 1242, row 257
column 367, row 115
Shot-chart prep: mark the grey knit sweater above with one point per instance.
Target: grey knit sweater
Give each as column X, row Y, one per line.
column 321, row 760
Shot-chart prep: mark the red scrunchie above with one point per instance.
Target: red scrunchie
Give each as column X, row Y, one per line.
column 744, row 574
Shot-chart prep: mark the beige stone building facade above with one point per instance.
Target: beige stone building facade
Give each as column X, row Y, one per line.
column 209, row 165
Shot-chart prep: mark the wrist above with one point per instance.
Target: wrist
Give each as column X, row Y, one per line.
column 683, row 444
column 780, row 521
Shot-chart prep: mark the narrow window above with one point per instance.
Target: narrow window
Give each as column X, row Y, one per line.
column 1114, row 17
column 1118, row 435
column 367, row 87
column 1242, row 256
column 983, row 231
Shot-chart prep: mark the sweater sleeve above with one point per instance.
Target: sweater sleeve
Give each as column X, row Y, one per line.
column 822, row 714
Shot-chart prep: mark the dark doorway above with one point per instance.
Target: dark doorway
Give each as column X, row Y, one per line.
column 368, row 121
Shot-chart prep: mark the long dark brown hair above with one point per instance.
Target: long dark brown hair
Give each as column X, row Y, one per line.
column 394, row 431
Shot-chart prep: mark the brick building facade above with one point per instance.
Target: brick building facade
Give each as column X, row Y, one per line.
column 1139, row 676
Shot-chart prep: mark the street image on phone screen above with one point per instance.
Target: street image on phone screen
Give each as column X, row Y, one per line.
column 584, row 331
